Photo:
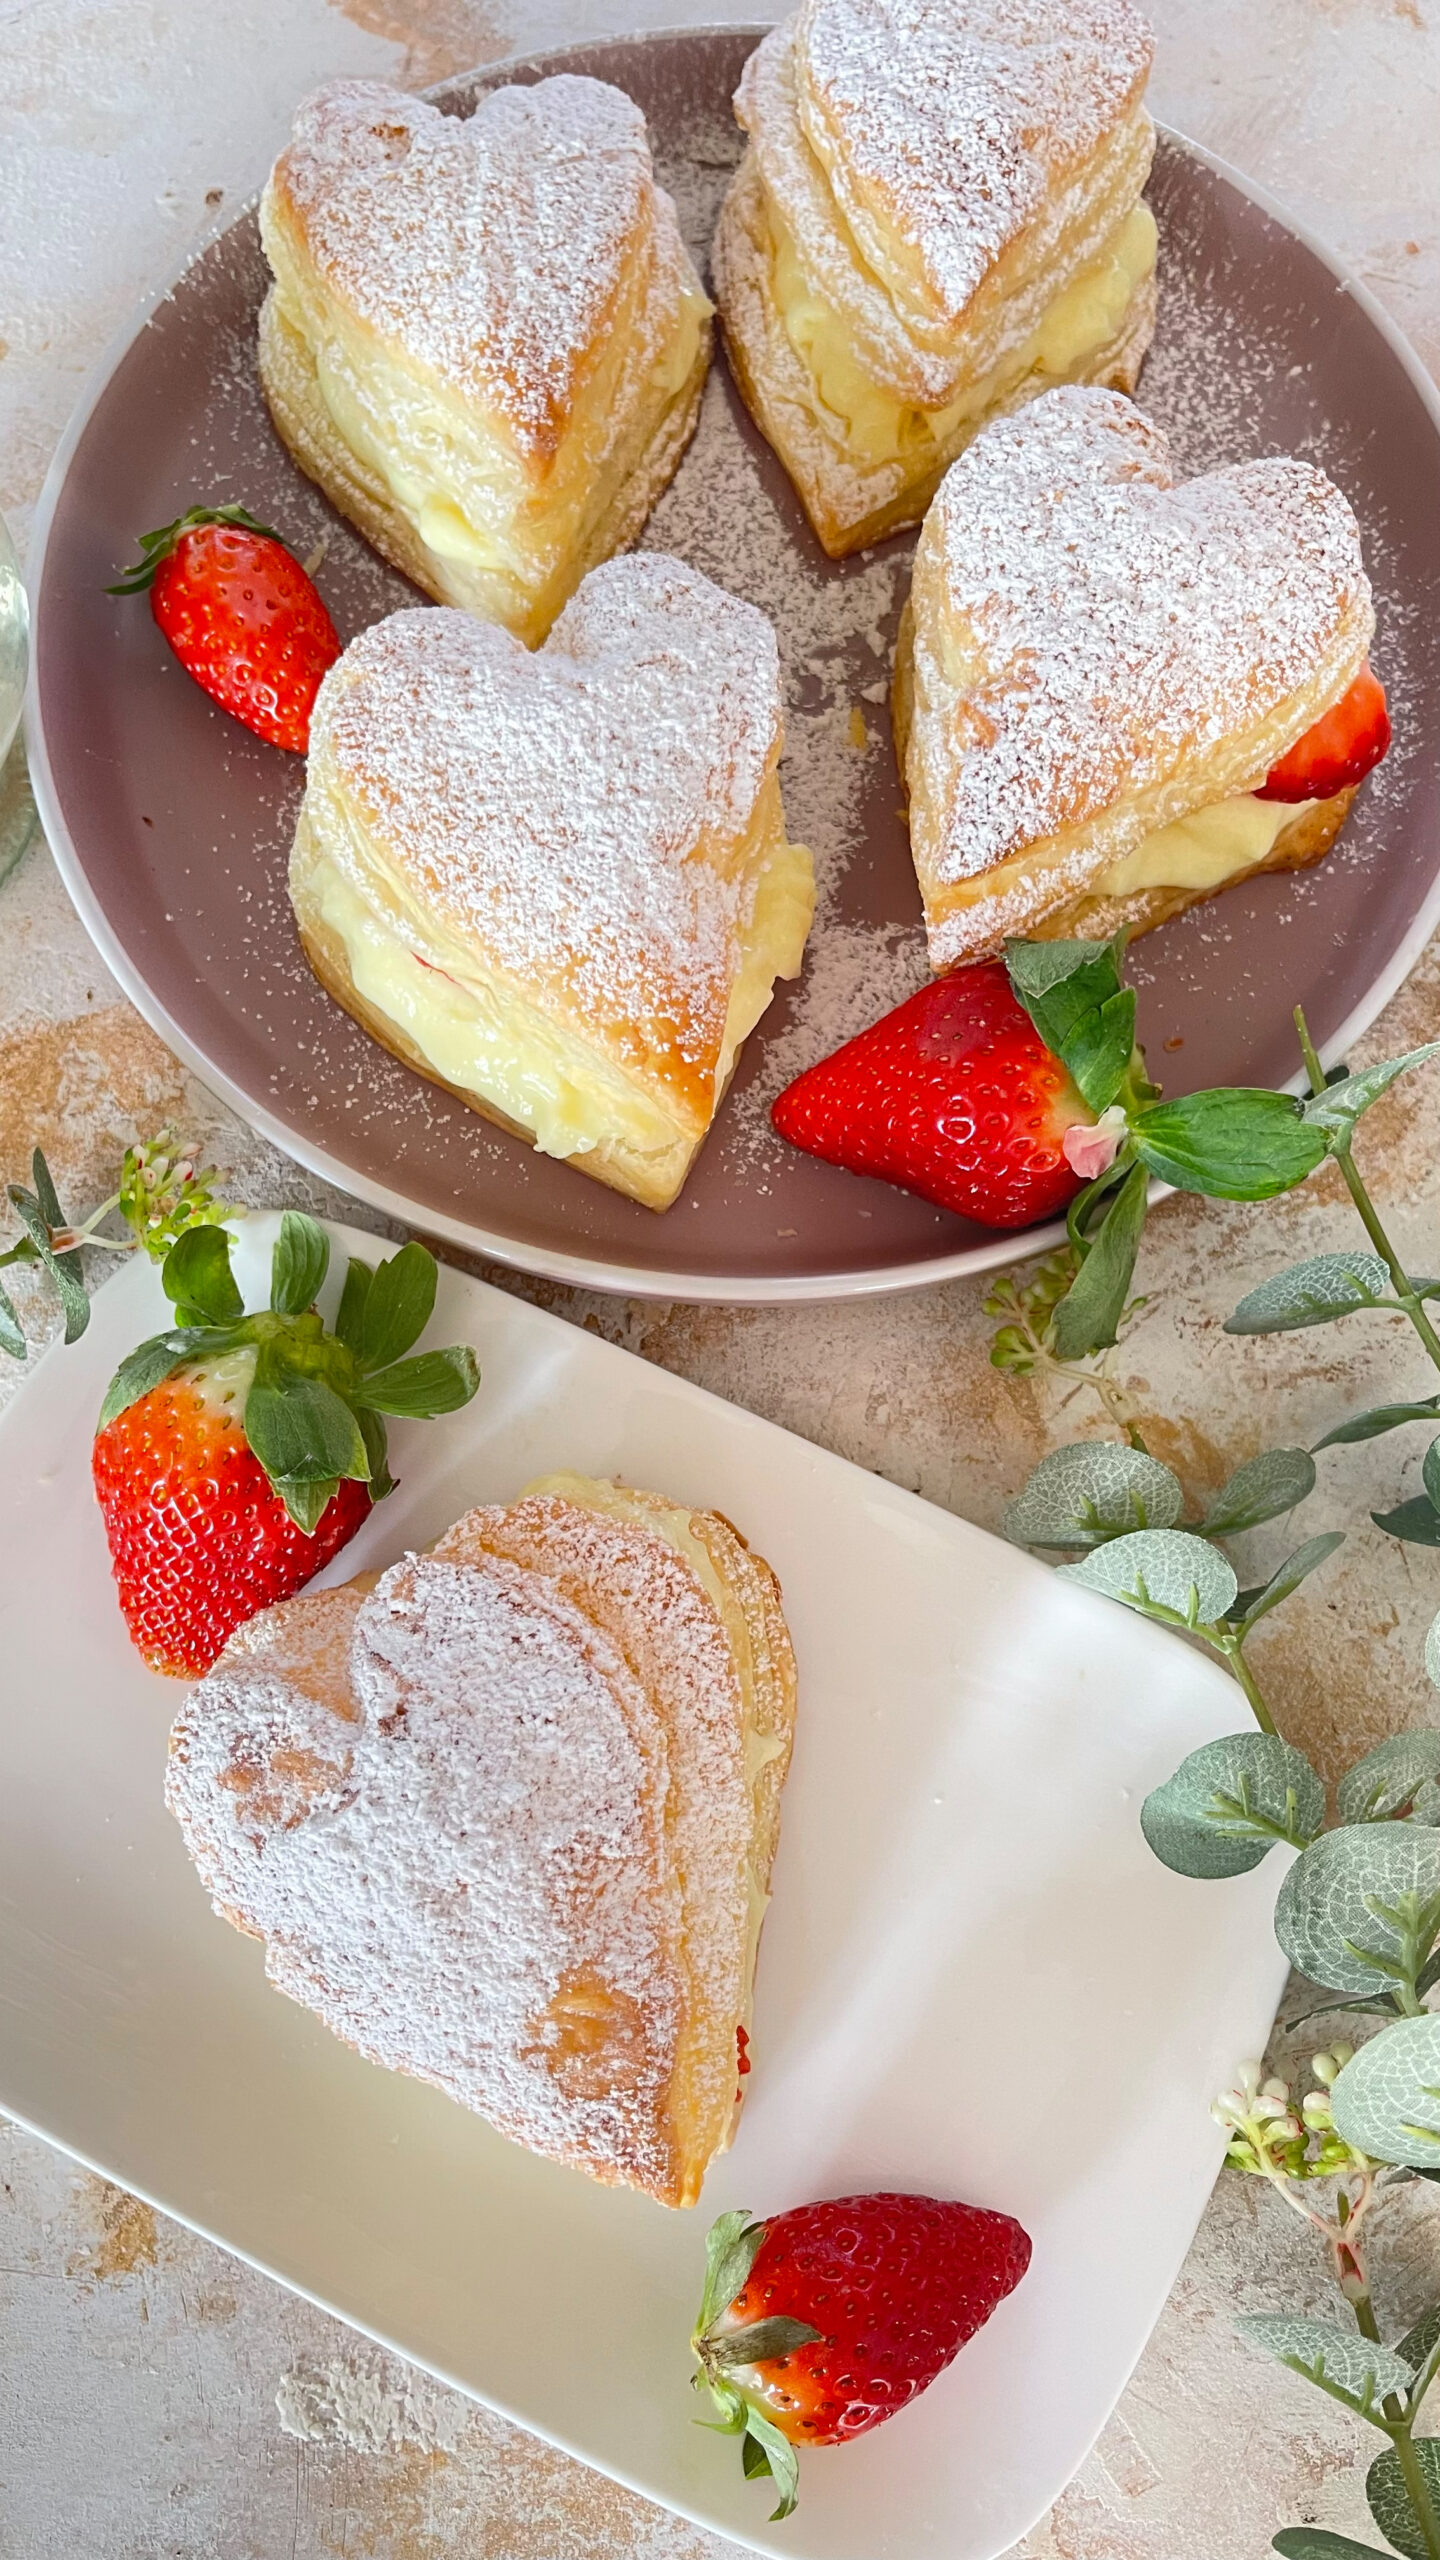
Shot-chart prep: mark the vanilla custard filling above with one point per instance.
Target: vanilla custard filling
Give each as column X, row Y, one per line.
column 1081, row 320
column 477, row 1034
column 462, row 485
column 1200, row 852
column 469, row 501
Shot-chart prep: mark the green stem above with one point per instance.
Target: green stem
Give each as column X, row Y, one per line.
column 1234, row 1654
column 1399, row 1277
column 1419, row 2490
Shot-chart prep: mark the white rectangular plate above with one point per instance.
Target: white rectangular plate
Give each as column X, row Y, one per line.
column 975, row 1980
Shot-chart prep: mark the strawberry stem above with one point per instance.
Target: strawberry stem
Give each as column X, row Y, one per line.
column 157, row 547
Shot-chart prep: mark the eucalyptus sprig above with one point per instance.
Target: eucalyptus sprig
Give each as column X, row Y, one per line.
column 160, row 1193
column 1358, row 1911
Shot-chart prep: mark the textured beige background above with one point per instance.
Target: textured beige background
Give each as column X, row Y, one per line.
column 139, row 2370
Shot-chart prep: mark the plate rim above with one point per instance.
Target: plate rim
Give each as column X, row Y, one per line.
column 577, row 1270
column 741, row 2531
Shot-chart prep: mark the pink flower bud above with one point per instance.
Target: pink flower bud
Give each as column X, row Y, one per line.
column 1090, row 1148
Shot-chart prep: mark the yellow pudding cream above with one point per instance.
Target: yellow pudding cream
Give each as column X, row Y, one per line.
column 1204, row 850
column 1082, row 320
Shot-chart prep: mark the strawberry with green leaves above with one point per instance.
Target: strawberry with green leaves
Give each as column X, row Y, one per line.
column 820, row 2323
column 242, row 616
column 236, row 1454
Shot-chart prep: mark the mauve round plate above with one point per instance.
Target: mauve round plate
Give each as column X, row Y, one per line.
column 172, row 824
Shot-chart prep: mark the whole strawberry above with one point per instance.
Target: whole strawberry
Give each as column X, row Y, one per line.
column 235, row 1454
column 953, row 1095
column 825, row 2320
column 241, row 616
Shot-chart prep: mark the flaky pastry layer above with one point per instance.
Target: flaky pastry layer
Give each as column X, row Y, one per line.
column 505, row 1817
column 560, row 884
column 1093, row 652
column 494, row 429
column 930, row 226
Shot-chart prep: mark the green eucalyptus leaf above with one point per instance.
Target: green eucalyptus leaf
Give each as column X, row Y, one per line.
column 1339, row 1106
column 1360, row 1910
column 1386, row 2101
column 303, row 1433
column 433, row 1382
column 1261, row 1490
column 141, row 1369
column 196, row 1275
column 1318, row 1291
column 1092, row 1490
column 398, row 1306
column 350, row 1319
column 1312, row 2542
column 1382, row 1786
column 1289, row 1576
column 1160, row 1572
column 1235, row 1143
column 1419, row 2344
column 307, row 1503
column 1229, row 1803
column 1340, row 2361
column 298, row 1265
column 1098, row 1050
column 1416, row 1522
column 1430, row 1473
column 1376, row 1419
column 1389, row 2499
column 1061, row 983
column 1088, row 1316
column 12, row 1335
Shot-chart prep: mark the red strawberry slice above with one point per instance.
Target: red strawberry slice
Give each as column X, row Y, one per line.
column 1345, row 744
column 953, row 1095
column 826, row 2320
column 242, row 617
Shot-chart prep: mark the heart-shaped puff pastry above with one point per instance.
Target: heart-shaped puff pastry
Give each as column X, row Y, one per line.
column 485, row 339
column 506, row 1819
column 1098, row 666
column 559, row 884
column 939, row 216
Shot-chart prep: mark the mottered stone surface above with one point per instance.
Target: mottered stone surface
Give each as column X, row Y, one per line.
column 159, row 2402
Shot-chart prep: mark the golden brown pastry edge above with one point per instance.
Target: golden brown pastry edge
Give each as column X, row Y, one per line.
column 844, row 513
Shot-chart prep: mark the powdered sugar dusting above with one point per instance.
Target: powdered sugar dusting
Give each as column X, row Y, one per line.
column 570, row 813
column 1083, row 624
column 482, row 1887
column 955, row 125
column 490, row 249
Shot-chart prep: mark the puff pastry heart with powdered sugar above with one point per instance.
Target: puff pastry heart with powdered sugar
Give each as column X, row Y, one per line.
column 485, row 338
column 939, row 216
column 506, row 1819
column 560, row 883
column 1095, row 650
